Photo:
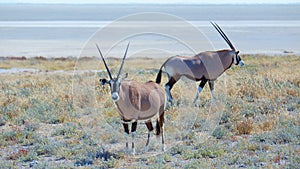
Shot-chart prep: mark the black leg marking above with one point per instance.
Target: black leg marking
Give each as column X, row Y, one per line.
column 126, row 129
column 149, row 125
column 168, row 87
column 133, row 126
column 171, row 83
column 200, row 87
column 211, row 85
column 203, row 82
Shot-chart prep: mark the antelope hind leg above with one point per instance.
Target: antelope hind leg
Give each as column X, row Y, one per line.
column 162, row 132
column 169, row 96
column 168, row 88
column 150, row 130
column 211, row 87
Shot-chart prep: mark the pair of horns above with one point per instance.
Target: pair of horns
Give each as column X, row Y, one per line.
column 121, row 67
column 223, row 35
column 213, row 23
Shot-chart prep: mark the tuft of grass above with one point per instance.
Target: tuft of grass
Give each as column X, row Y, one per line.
column 244, row 127
column 220, row 132
column 210, row 152
column 68, row 130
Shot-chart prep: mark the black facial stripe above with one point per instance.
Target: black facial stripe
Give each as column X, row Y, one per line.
column 115, row 86
column 238, row 59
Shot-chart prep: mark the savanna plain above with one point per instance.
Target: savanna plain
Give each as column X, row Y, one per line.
column 60, row 116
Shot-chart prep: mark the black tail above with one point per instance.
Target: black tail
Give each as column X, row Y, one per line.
column 158, row 77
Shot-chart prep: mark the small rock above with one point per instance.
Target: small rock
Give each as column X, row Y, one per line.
column 32, row 163
column 242, row 166
column 234, row 144
column 262, row 164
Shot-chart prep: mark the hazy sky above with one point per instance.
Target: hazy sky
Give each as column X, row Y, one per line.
column 154, row 1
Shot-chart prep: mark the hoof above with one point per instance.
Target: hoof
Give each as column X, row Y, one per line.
column 163, row 148
column 146, row 148
column 133, row 152
column 169, row 105
column 196, row 104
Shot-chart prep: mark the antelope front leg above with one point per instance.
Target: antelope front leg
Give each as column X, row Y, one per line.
column 200, row 88
column 126, row 130
column 133, row 134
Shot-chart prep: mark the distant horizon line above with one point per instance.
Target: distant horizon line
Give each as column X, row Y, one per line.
column 139, row 3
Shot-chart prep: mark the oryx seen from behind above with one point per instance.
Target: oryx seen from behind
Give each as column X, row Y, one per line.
column 204, row 67
column 136, row 102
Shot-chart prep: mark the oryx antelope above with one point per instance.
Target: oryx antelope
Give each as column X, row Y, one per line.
column 136, row 102
column 205, row 67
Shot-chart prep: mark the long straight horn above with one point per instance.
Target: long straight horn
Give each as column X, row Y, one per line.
column 121, row 67
column 223, row 35
column 108, row 71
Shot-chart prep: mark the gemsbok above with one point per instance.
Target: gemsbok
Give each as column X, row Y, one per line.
column 136, row 102
column 205, row 67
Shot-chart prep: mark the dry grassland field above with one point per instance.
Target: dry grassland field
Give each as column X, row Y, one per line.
column 55, row 114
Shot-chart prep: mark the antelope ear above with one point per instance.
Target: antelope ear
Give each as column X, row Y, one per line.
column 103, row 81
column 237, row 52
column 126, row 75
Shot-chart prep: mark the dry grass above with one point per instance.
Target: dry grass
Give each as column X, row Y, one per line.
column 65, row 119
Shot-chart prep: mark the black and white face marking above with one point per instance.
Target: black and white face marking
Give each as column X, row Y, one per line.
column 115, row 89
column 237, row 59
